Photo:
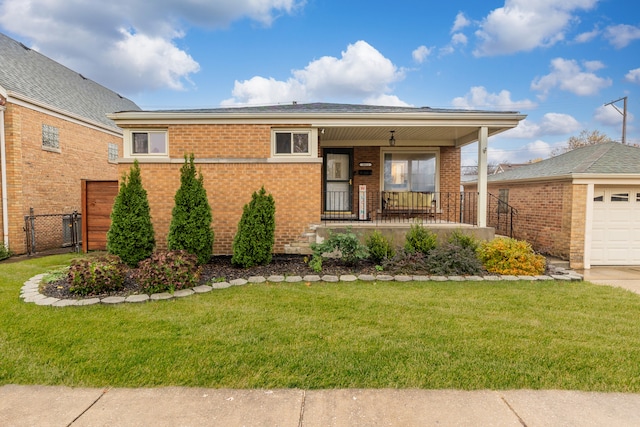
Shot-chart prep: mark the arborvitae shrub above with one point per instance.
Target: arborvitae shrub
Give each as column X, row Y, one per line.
column 131, row 235
column 168, row 271
column 253, row 243
column 420, row 239
column 190, row 228
column 96, row 275
column 510, row 257
column 380, row 248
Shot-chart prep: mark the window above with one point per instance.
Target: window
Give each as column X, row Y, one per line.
column 50, row 138
column 113, row 152
column 503, row 200
column 149, row 143
column 404, row 171
column 293, row 143
column 620, row 197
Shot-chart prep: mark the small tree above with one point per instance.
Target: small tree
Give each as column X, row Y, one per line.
column 585, row 138
column 190, row 228
column 253, row 243
column 131, row 234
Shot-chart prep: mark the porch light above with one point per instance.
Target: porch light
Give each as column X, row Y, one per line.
column 392, row 140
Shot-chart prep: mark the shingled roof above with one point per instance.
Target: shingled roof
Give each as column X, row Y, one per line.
column 599, row 159
column 27, row 73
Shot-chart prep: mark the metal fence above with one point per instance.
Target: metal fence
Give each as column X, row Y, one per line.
column 46, row 232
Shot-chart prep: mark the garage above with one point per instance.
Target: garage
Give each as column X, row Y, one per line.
column 615, row 238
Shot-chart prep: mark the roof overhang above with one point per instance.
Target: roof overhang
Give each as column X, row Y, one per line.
column 437, row 128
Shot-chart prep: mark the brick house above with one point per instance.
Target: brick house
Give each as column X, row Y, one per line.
column 53, row 133
column 327, row 165
column 582, row 206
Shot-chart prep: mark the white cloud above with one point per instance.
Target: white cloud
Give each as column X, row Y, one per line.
column 608, row 116
column 621, row 35
column 479, row 98
column 128, row 45
column 460, row 22
column 421, row 54
column 459, row 38
column 386, row 100
column 633, row 76
column 567, row 75
column 362, row 72
column 587, row 36
column 523, row 25
column 551, row 124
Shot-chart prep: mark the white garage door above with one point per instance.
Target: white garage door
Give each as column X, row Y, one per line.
column 615, row 238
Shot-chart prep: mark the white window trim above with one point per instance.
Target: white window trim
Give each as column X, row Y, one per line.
column 128, row 144
column 417, row 150
column 313, row 143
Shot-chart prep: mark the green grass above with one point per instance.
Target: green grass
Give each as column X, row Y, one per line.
column 461, row 335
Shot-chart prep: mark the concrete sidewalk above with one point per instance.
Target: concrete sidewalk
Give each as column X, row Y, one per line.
column 176, row 406
column 623, row 277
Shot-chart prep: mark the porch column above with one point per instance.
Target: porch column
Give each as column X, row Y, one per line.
column 483, row 136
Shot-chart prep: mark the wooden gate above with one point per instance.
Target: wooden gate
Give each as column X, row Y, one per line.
column 97, row 202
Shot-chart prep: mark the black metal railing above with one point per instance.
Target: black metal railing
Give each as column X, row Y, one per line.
column 409, row 207
column 45, row 232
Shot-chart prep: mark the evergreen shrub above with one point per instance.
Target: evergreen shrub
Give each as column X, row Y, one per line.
column 254, row 241
column 380, row 248
column 190, row 227
column 131, row 235
column 420, row 239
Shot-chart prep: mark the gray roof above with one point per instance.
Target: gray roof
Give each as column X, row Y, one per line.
column 26, row 72
column 320, row 107
column 600, row 159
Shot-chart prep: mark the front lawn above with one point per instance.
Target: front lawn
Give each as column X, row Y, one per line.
column 461, row 335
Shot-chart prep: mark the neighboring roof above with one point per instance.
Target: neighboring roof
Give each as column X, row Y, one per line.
column 27, row 73
column 599, row 159
column 348, row 123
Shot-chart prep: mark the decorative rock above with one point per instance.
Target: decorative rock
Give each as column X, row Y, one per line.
column 421, row 278
column 293, row 279
column 137, row 298
column 160, row 296
column 256, row 279
column 456, row 278
column 439, row 278
column 367, row 277
column 384, row 277
column 474, row 278
column 202, row 289
column 402, row 278
column 329, row 278
column 65, row 303
column 35, row 298
column 275, row 278
column 90, row 301
column 348, row 278
column 492, row 278
column 46, row 301
column 508, row 277
column 238, row 282
column 561, row 277
column 521, row 277
column 544, row 277
column 311, row 278
column 112, row 300
column 575, row 277
column 183, row 293
column 220, row 285
column 29, row 295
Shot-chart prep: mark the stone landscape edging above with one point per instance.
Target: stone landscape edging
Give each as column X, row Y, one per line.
column 30, row 291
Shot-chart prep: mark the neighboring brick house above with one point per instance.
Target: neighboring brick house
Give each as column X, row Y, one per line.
column 583, row 206
column 314, row 159
column 54, row 132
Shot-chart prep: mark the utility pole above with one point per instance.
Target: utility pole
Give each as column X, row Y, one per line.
column 624, row 116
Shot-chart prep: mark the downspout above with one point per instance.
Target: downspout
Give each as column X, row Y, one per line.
column 483, row 133
column 3, row 176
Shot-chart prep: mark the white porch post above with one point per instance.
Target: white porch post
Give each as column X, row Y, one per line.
column 483, row 136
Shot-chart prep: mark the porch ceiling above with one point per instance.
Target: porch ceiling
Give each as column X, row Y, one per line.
column 404, row 135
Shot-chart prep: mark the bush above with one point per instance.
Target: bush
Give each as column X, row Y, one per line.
column 168, row 271
column 458, row 238
column 420, row 239
column 380, row 248
column 449, row 259
column 346, row 245
column 4, row 252
column 253, row 243
column 405, row 262
column 131, row 235
column 190, row 227
column 510, row 257
column 96, row 275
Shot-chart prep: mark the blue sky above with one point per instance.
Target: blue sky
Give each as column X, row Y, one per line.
column 558, row 61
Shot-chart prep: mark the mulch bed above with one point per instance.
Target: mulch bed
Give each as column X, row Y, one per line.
column 220, row 267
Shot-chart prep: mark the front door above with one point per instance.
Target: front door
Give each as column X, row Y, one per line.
column 338, row 194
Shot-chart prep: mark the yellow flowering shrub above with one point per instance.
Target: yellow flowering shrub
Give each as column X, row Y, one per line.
column 511, row 257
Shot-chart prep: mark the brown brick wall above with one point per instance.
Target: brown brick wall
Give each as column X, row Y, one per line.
column 577, row 200
column 220, row 141
column 50, row 182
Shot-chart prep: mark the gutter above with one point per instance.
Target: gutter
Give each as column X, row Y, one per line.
column 3, row 172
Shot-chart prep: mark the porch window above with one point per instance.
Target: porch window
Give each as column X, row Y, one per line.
column 148, row 143
column 410, row 171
